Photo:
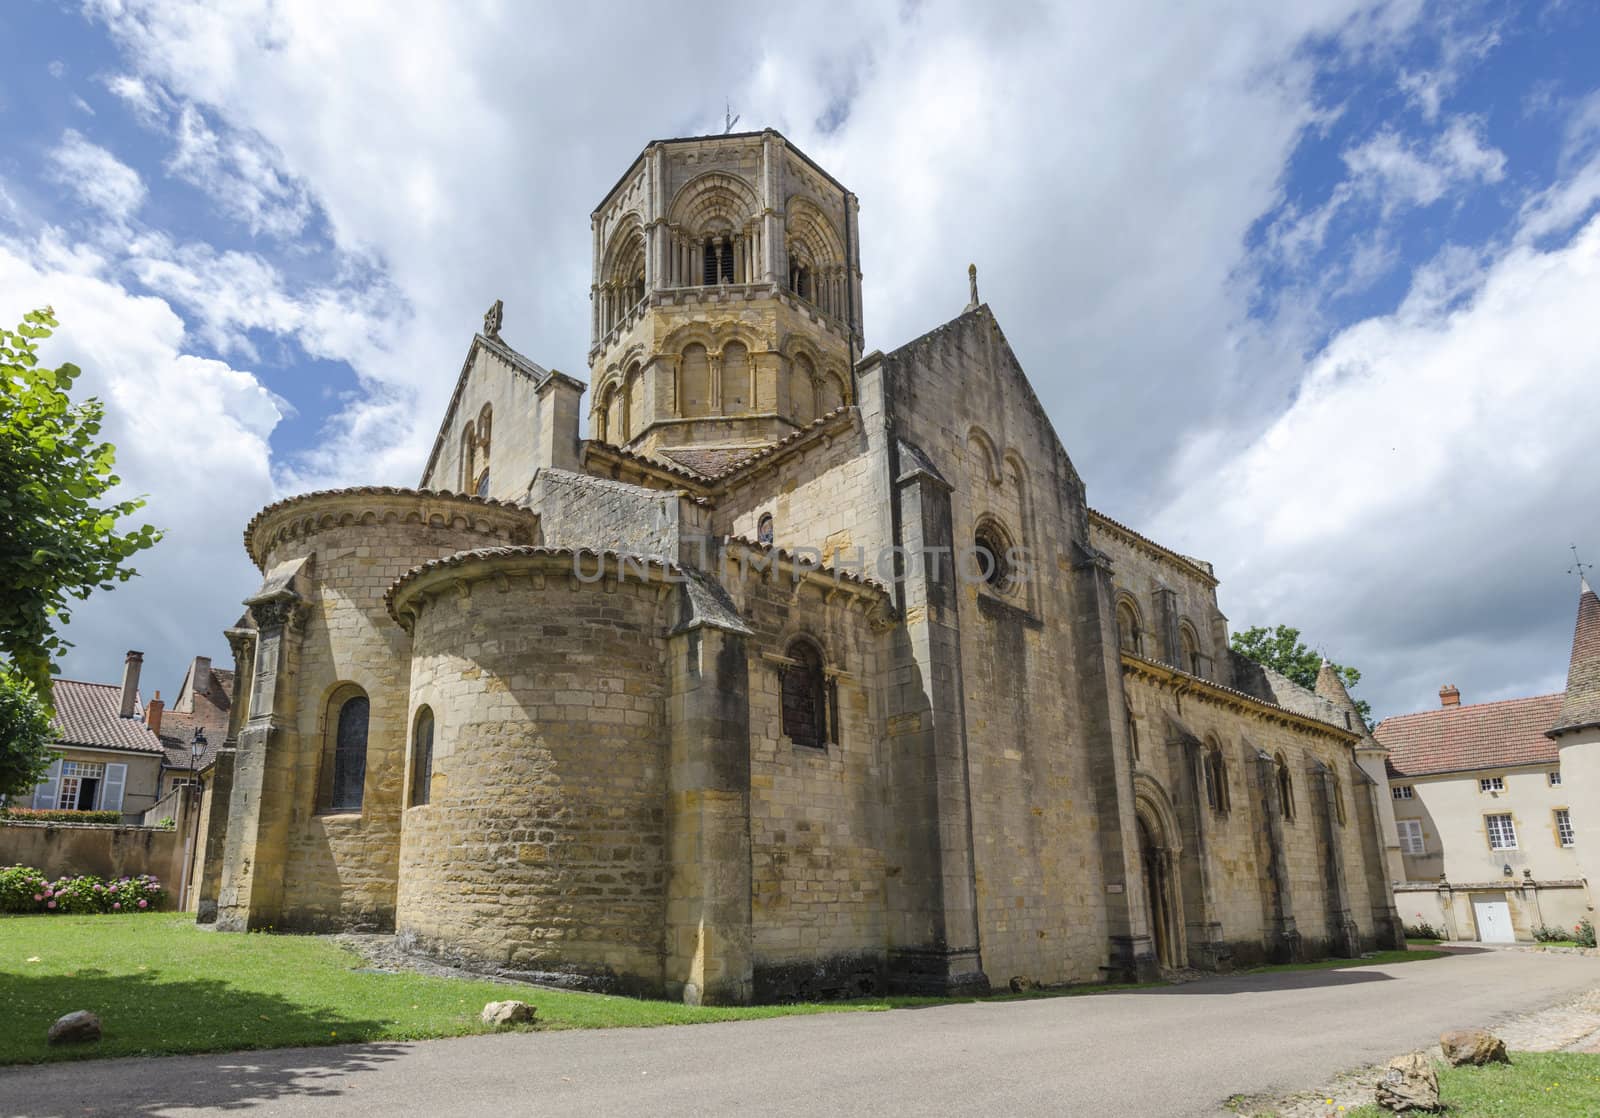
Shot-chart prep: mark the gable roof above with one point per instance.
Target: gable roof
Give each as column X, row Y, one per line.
column 1498, row 735
column 1580, row 706
column 91, row 714
column 210, row 714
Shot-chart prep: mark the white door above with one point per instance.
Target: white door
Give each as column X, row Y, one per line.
column 1494, row 921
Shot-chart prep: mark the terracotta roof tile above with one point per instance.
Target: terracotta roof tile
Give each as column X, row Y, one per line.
column 90, row 714
column 1464, row 738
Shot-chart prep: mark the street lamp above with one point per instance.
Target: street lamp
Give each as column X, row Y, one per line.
column 197, row 746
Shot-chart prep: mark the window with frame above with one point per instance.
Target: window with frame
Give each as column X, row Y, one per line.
column 1402, row 792
column 1128, row 635
column 1491, row 784
column 1411, row 840
column 347, row 765
column 1502, row 833
column 1338, row 799
column 764, row 529
column 1555, row 778
column 1216, row 777
column 80, row 785
column 1564, row 829
column 804, row 690
column 1189, row 649
column 422, row 757
column 992, row 552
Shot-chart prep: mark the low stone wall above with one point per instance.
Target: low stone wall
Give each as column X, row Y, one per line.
column 101, row 849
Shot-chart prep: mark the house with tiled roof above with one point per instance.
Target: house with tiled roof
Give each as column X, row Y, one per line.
column 108, row 758
column 193, row 727
column 1488, row 798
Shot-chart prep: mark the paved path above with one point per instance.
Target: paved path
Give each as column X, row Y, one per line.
column 1171, row 1051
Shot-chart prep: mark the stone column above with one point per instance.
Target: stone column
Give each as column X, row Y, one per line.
column 1343, row 936
column 708, row 936
column 1283, row 938
column 774, row 264
column 261, row 800
column 936, row 946
column 1369, row 797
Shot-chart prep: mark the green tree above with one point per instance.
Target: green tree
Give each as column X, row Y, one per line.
column 25, row 735
column 58, row 541
column 1281, row 649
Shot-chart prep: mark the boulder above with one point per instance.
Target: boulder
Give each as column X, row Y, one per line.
column 77, row 1027
column 1409, row 1083
column 1021, row 984
column 501, row 1014
column 1472, row 1046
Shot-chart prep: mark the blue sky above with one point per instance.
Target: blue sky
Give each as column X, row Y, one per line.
column 1307, row 289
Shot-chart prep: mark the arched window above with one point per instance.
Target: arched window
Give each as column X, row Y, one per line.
column 422, row 757
column 735, row 379
column 602, row 416
column 469, row 447
column 1133, row 732
column 633, row 389
column 804, row 688
column 1128, row 635
column 347, row 752
column 694, row 382
column 832, row 393
column 1338, row 799
column 1216, row 777
column 800, row 279
column 718, row 264
column 802, row 389
column 991, row 544
column 764, row 529
column 1285, row 787
column 1188, row 648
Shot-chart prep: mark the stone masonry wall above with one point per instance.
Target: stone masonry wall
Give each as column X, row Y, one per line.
column 541, row 851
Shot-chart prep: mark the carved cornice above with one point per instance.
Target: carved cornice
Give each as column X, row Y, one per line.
column 1149, row 547
column 1183, row 684
column 309, row 513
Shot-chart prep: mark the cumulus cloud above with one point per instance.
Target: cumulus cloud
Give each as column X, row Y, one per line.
column 238, row 172
column 191, row 434
column 1405, row 173
column 1412, row 507
column 98, row 178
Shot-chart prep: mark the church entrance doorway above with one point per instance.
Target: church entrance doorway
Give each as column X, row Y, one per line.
column 1160, row 896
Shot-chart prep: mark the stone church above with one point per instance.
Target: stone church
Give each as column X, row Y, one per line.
column 809, row 672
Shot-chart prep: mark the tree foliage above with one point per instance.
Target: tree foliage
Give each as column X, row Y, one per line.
column 25, row 735
column 58, row 539
column 1281, row 649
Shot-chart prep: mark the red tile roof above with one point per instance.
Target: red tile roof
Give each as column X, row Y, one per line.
column 210, row 714
column 90, row 714
column 1464, row 738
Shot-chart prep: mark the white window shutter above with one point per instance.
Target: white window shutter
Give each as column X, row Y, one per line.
column 111, row 793
column 44, row 793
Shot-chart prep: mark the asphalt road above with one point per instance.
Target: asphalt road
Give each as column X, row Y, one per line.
column 1171, row 1051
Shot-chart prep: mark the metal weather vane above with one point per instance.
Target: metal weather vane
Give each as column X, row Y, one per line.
column 1578, row 565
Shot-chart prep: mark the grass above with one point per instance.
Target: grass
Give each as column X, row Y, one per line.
column 161, row 985
column 1534, row 1085
column 1423, row 939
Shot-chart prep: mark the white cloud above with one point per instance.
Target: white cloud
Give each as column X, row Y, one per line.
column 1411, row 507
column 138, row 95
column 190, row 432
column 1403, row 172
column 97, row 177
column 239, row 174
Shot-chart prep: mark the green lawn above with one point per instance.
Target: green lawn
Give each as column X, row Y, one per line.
column 161, row 985
column 1535, row 1085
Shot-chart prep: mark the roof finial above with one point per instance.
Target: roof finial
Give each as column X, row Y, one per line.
column 493, row 319
column 972, row 287
column 729, row 117
column 1578, row 567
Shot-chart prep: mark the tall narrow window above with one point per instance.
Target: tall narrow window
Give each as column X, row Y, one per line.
column 1216, row 777
column 1564, row 827
column 422, row 758
column 1338, row 799
column 718, row 265
column 1128, row 635
column 804, row 696
column 349, row 762
column 1189, row 649
column 764, row 529
column 1411, row 840
column 1285, row 788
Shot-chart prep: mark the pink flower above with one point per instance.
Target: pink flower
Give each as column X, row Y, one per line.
column 38, row 896
column 51, row 904
column 117, row 906
column 143, row 903
column 49, row 892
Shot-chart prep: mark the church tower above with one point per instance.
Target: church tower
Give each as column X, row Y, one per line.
column 726, row 302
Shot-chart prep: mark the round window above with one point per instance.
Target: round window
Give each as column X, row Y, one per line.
column 992, row 556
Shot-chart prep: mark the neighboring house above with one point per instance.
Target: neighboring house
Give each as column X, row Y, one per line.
column 109, row 759
column 201, row 708
column 1487, row 805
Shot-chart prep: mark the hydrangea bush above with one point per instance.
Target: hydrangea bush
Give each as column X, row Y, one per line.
column 24, row 889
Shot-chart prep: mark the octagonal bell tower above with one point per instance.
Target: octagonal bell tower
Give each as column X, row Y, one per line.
column 726, row 303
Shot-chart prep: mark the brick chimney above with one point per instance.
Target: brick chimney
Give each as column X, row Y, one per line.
column 130, row 682
column 1449, row 695
column 152, row 714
